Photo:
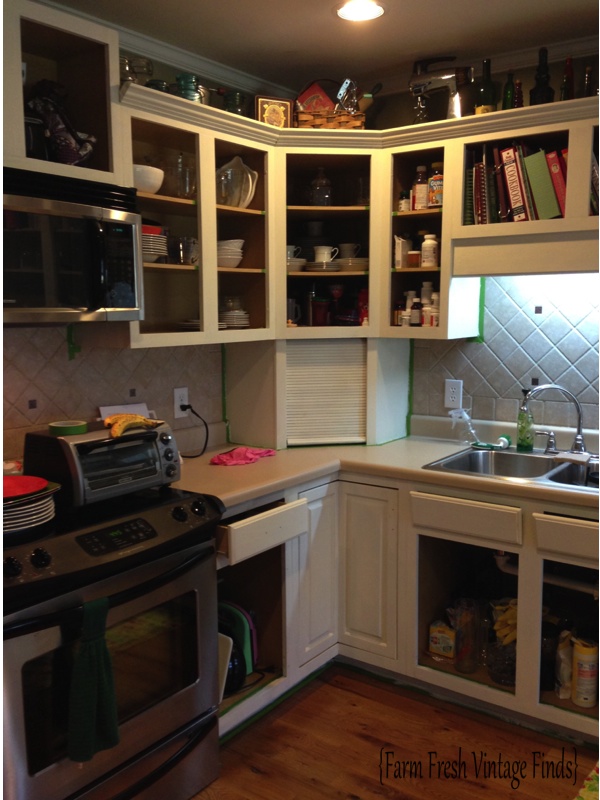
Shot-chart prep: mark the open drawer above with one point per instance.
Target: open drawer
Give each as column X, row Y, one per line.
column 253, row 533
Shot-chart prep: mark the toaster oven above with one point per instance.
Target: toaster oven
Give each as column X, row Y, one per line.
column 94, row 466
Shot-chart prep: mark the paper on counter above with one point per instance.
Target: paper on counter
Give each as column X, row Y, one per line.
column 127, row 408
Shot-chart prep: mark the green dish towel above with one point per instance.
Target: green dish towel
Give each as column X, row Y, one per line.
column 93, row 722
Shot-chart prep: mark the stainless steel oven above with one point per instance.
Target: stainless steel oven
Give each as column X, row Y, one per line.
column 151, row 559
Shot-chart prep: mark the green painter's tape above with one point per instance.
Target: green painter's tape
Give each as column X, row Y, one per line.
column 67, row 427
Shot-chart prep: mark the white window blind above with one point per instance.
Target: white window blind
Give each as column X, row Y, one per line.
column 326, row 391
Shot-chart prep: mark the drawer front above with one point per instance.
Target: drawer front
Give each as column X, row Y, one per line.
column 566, row 536
column 467, row 517
column 254, row 534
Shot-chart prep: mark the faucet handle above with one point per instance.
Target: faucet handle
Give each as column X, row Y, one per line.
column 551, row 448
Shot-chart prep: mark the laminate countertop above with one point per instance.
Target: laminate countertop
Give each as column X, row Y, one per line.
column 402, row 459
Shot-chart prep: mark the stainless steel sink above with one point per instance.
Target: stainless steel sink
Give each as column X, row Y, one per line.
column 508, row 465
column 496, row 463
column 575, row 475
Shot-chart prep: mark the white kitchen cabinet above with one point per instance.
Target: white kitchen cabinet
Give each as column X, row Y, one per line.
column 565, row 244
column 490, row 547
column 368, row 577
column 182, row 301
column 316, row 628
column 43, row 43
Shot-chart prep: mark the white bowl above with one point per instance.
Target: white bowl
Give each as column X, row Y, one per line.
column 147, row 179
column 230, row 243
column 228, row 261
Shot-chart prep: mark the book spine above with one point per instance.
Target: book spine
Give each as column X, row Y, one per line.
column 503, row 208
column 558, row 179
column 514, row 188
column 527, row 193
column 594, row 189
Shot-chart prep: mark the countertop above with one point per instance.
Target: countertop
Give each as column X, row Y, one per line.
column 402, row 459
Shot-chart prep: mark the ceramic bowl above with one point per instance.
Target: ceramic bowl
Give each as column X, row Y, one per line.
column 147, row 179
column 228, row 261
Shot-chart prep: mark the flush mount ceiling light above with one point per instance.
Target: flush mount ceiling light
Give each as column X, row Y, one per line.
column 360, row 10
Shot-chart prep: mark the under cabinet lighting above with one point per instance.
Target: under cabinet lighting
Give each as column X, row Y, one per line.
column 360, row 10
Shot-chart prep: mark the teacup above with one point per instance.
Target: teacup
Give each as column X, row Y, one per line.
column 323, row 253
column 349, row 250
column 293, row 251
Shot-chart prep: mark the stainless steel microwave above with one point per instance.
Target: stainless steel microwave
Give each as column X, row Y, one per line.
column 72, row 250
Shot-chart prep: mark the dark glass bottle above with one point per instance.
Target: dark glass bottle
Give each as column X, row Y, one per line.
column 567, row 87
column 486, row 93
column 542, row 92
column 508, row 95
column 518, row 100
column 588, row 90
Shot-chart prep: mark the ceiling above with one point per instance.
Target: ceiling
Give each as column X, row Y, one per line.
column 289, row 44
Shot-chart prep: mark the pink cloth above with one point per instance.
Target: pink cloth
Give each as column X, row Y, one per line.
column 240, row 455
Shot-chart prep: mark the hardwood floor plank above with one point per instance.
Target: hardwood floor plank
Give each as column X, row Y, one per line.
column 350, row 736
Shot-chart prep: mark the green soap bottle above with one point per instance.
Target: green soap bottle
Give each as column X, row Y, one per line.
column 525, row 424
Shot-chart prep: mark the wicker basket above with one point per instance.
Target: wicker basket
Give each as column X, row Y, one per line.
column 328, row 119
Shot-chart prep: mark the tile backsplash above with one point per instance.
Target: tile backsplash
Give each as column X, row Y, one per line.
column 38, row 372
column 541, row 328
column 538, row 327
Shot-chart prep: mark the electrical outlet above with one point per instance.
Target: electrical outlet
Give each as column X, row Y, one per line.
column 180, row 398
column 453, row 394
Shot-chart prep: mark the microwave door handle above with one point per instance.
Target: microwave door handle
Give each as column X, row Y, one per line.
column 74, row 616
column 98, row 275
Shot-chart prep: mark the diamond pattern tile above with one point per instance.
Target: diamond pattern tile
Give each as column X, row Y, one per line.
column 535, row 327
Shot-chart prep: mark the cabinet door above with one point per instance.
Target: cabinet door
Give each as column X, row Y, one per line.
column 318, row 559
column 368, row 568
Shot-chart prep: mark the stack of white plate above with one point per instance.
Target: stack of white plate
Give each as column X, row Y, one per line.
column 190, row 324
column 353, row 264
column 296, row 264
column 30, row 509
column 322, row 266
column 229, row 252
column 154, row 246
column 236, row 318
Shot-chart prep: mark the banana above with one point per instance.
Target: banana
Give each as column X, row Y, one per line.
column 510, row 637
column 119, row 423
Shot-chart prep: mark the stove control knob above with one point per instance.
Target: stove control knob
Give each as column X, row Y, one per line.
column 12, row 567
column 168, row 454
column 199, row 508
column 40, row 558
column 180, row 514
column 170, row 470
column 166, row 438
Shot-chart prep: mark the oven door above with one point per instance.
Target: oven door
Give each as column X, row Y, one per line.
column 161, row 633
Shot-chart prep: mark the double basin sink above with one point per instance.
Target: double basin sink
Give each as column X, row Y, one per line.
column 522, row 468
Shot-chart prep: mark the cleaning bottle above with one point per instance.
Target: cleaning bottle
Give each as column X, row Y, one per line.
column 525, row 424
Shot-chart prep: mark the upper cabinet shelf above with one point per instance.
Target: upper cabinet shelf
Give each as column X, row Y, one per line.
column 42, row 44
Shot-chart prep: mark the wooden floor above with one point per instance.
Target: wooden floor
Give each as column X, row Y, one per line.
column 349, row 736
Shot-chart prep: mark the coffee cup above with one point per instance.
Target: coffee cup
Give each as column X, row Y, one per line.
column 349, row 250
column 323, row 253
column 293, row 251
column 293, row 310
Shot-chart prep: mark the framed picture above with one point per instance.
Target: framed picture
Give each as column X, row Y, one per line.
column 274, row 111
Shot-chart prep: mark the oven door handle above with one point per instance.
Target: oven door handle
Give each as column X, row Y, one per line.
column 74, row 616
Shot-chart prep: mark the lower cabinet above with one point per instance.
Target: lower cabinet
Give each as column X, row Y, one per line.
column 368, row 577
column 498, row 582
column 317, row 621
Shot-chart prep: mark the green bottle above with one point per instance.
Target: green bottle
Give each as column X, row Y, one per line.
column 525, row 424
column 508, row 95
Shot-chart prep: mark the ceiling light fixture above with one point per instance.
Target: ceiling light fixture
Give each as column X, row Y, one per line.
column 360, row 10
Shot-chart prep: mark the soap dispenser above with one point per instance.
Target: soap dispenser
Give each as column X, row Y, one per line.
column 525, row 423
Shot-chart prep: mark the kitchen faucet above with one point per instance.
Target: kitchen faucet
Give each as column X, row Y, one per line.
column 578, row 445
